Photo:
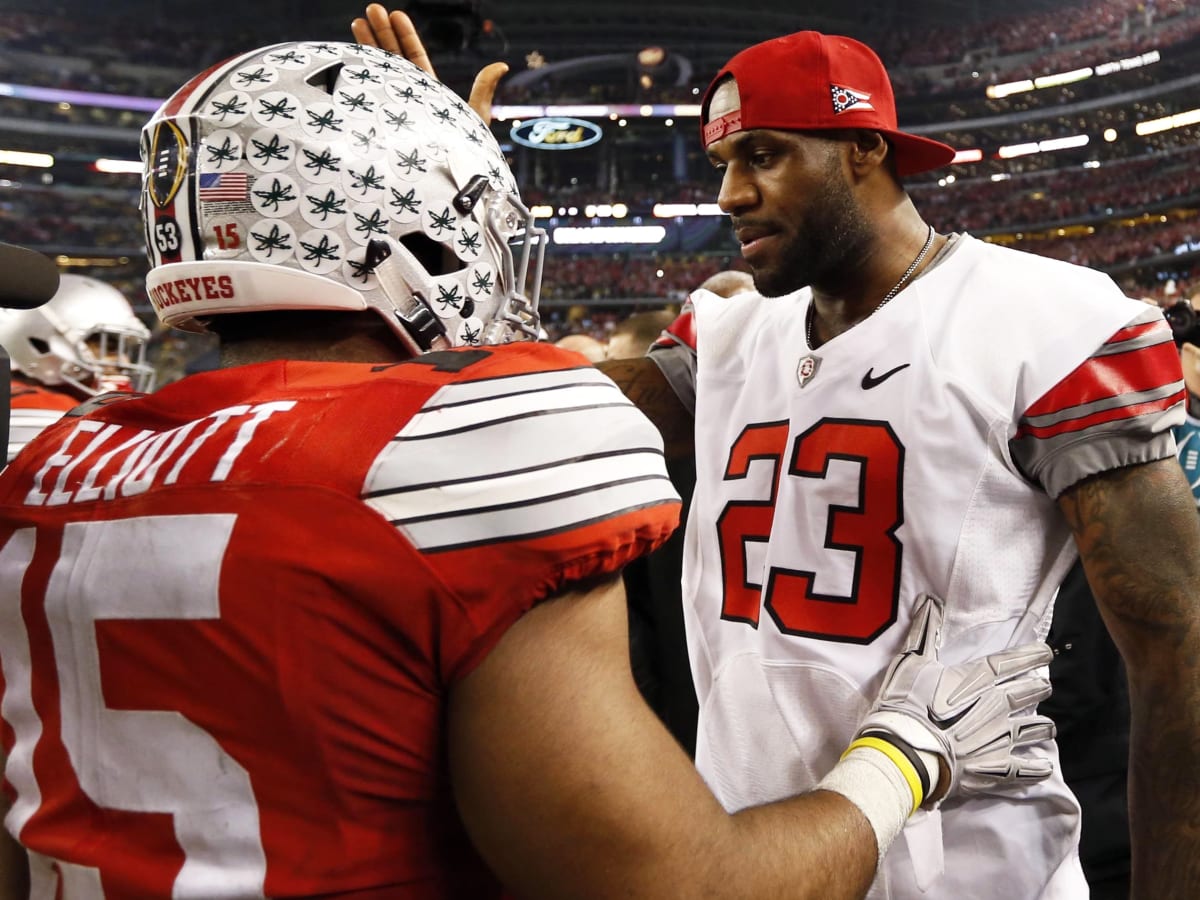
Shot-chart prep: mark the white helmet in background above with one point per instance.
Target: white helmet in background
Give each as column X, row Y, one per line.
column 86, row 337
column 340, row 177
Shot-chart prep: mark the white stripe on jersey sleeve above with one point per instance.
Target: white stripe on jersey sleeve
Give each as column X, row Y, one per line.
column 26, row 424
column 479, row 403
column 490, row 388
column 514, row 457
column 570, row 476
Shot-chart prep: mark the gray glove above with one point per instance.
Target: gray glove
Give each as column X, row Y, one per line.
column 974, row 716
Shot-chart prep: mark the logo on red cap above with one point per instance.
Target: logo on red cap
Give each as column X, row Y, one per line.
column 845, row 99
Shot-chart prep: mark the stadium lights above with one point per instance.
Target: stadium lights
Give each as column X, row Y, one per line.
column 626, row 234
column 591, row 211
column 999, row 91
column 967, row 156
column 1013, row 150
column 614, row 111
column 118, row 166
column 23, row 158
column 1071, row 77
column 1179, row 120
column 1131, row 62
column 1065, row 143
column 673, row 210
column 91, row 261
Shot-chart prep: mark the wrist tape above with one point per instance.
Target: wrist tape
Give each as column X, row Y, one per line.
column 887, row 779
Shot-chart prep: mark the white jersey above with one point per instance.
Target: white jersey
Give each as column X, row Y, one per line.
column 919, row 451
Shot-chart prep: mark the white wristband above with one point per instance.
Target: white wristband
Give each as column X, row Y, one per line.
column 871, row 781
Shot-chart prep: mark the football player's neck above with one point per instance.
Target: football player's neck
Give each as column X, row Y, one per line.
column 360, row 348
column 310, row 336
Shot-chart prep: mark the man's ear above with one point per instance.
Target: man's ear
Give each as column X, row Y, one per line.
column 870, row 150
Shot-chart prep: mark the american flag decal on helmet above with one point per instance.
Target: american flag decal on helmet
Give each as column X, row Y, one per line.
column 845, row 98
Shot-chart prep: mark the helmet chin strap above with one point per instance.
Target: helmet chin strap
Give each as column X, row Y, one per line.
column 407, row 286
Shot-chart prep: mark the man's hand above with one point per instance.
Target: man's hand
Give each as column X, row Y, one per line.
column 973, row 716
column 396, row 33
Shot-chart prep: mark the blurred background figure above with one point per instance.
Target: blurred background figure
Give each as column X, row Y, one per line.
column 729, row 282
column 633, row 335
column 1185, row 325
column 86, row 340
column 583, row 344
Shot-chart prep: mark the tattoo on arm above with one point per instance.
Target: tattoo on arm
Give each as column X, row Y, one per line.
column 1134, row 527
column 644, row 383
column 1139, row 538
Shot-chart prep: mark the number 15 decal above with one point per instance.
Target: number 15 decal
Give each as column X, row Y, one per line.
column 868, row 529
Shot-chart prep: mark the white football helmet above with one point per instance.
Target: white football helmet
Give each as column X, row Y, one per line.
column 86, row 337
column 336, row 176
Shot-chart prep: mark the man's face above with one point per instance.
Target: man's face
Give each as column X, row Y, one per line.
column 789, row 200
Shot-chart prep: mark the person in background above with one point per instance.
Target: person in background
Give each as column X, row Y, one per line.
column 855, row 428
column 584, row 344
column 728, row 282
column 634, row 334
column 1185, row 325
column 343, row 618
column 85, row 341
column 859, row 390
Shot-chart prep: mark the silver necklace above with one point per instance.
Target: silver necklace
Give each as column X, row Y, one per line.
column 908, row 273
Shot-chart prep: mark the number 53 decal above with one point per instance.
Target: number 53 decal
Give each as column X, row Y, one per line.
column 867, row 529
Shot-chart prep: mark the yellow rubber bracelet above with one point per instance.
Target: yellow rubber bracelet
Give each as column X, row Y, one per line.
column 901, row 762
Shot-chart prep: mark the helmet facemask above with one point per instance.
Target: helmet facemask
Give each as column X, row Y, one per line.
column 114, row 358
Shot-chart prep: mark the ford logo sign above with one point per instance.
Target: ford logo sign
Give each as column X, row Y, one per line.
column 556, row 134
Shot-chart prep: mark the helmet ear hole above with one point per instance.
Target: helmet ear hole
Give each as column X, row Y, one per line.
column 434, row 257
column 42, row 347
column 325, row 79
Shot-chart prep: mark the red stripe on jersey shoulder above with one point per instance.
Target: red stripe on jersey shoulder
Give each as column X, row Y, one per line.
column 1099, row 418
column 681, row 331
column 1105, row 377
column 1132, row 331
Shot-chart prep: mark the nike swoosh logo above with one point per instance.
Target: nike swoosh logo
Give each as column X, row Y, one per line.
column 871, row 380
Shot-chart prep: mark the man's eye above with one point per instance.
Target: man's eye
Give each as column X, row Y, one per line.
column 762, row 157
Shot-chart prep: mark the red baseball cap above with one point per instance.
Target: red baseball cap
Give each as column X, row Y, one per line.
column 811, row 81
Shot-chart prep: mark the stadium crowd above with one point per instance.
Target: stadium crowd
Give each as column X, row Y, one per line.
column 1126, row 211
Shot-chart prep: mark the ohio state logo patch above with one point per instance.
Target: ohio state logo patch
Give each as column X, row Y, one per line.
column 807, row 370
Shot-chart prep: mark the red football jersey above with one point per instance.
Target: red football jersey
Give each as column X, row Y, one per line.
column 230, row 612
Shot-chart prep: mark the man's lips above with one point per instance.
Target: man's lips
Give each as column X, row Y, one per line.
column 754, row 240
